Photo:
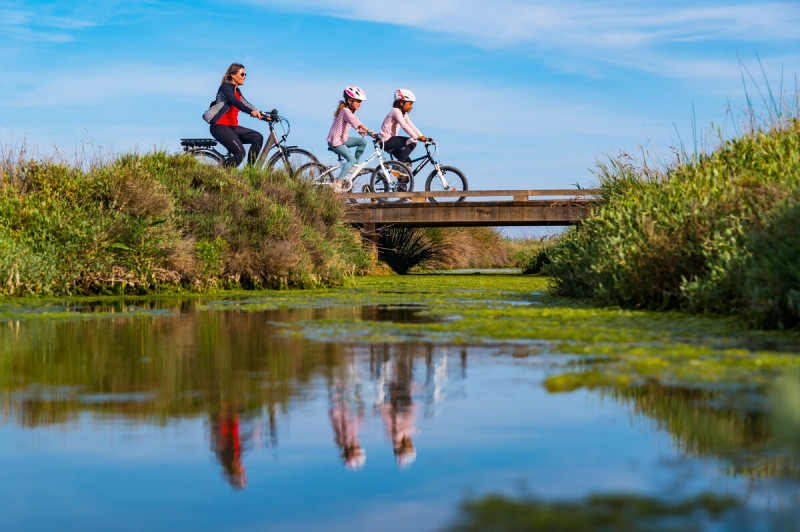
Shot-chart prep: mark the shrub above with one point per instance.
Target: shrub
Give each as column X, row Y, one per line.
column 695, row 235
column 139, row 222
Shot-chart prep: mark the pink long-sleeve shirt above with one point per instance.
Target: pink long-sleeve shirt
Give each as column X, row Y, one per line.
column 338, row 134
column 394, row 121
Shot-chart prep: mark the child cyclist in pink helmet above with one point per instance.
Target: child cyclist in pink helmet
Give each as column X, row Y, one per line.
column 338, row 138
column 400, row 147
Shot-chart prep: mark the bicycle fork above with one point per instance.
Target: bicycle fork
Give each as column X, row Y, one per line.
column 445, row 185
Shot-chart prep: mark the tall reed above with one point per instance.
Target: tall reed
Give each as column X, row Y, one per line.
column 715, row 232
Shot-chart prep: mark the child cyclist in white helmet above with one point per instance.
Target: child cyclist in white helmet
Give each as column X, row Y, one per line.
column 338, row 138
column 400, row 147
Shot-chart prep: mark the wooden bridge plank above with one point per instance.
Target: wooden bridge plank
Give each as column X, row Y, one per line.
column 471, row 213
column 521, row 194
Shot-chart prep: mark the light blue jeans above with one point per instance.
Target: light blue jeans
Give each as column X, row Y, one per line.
column 349, row 160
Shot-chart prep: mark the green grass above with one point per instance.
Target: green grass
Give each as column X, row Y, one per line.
column 716, row 233
column 159, row 222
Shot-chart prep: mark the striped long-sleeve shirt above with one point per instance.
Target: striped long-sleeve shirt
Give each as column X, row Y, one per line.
column 341, row 124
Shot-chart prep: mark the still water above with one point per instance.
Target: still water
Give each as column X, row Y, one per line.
column 334, row 412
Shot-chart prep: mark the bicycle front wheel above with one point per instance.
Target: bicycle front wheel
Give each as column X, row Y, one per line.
column 361, row 185
column 207, row 157
column 452, row 179
column 313, row 172
column 396, row 178
column 290, row 160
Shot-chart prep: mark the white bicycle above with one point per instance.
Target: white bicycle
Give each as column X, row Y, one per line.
column 387, row 176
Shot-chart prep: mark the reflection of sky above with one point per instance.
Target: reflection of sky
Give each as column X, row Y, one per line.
column 497, row 430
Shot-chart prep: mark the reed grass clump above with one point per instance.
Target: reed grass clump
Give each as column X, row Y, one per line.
column 142, row 223
column 716, row 233
column 443, row 248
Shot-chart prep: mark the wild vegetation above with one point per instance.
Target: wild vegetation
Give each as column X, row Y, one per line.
column 143, row 223
column 716, row 233
column 602, row 512
column 444, row 248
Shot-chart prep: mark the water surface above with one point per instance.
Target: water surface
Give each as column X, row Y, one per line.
column 382, row 405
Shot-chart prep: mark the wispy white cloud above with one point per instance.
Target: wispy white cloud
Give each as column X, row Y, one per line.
column 617, row 24
column 32, row 26
column 646, row 36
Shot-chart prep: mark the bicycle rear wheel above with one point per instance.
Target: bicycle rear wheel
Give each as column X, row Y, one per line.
column 314, row 172
column 291, row 160
column 399, row 179
column 455, row 181
column 207, row 157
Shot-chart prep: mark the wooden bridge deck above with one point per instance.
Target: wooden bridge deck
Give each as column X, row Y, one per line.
column 562, row 207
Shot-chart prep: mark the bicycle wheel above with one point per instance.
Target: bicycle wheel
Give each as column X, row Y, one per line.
column 455, row 182
column 399, row 180
column 313, row 172
column 361, row 185
column 207, row 157
column 295, row 158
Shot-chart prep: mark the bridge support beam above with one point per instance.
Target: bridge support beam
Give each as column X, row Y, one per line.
column 470, row 213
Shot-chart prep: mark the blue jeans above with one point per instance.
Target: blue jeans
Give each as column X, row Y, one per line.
column 353, row 142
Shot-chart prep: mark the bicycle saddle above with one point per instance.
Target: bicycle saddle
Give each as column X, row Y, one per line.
column 341, row 159
column 198, row 143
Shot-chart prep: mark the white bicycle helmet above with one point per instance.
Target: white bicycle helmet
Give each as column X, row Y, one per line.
column 354, row 92
column 404, row 95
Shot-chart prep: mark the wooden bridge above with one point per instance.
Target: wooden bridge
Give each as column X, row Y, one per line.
column 561, row 207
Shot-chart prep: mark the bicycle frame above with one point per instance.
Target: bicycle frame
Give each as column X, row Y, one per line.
column 360, row 166
column 428, row 157
column 272, row 140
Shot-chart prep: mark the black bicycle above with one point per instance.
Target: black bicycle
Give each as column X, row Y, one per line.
column 290, row 158
column 443, row 178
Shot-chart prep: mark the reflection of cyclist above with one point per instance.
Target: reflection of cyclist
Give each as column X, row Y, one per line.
column 338, row 137
column 399, row 411
column 400, row 147
column 345, row 427
column 223, row 115
column 226, row 442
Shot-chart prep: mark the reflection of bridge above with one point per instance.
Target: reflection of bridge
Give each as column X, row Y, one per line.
column 562, row 207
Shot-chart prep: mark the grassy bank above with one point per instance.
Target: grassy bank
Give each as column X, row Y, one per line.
column 143, row 223
column 717, row 233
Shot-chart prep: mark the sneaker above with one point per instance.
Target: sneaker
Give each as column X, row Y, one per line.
column 347, row 185
column 337, row 187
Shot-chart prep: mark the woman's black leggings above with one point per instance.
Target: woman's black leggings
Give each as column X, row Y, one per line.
column 234, row 138
column 400, row 148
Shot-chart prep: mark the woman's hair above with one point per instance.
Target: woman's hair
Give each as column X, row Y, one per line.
column 398, row 104
column 342, row 105
column 233, row 69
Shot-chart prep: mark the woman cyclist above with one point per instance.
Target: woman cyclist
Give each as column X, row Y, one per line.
column 400, row 147
column 338, row 137
column 223, row 115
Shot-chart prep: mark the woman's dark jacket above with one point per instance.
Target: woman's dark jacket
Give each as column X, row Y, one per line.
column 226, row 96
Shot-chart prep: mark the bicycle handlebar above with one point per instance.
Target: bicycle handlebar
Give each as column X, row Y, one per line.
column 272, row 116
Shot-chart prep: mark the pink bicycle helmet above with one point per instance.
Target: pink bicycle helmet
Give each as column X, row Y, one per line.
column 354, row 92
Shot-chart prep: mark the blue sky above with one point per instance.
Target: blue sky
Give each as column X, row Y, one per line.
column 519, row 94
